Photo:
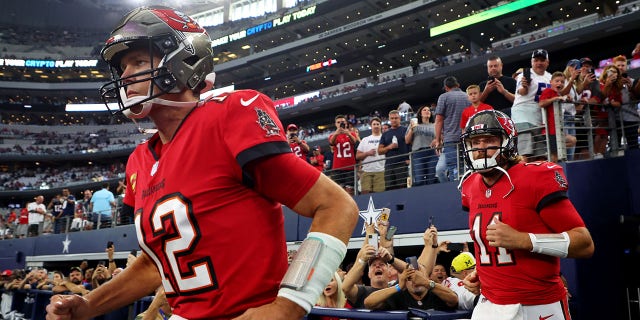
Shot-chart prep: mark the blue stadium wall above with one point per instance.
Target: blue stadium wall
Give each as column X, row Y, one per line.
column 603, row 191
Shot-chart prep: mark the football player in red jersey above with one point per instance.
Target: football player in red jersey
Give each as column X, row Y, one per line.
column 207, row 188
column 522, row 223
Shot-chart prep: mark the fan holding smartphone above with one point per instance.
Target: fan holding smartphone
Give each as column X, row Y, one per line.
column 525, row 112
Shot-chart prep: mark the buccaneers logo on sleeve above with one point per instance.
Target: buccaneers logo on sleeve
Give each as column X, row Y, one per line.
column 266, row 123
column 561, row 181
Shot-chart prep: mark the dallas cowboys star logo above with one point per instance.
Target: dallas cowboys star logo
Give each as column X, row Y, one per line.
column 370, row 215
column 66, row 244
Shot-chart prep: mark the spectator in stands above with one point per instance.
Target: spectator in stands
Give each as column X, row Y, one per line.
column 611, row 89
column 100, row 275
column 332, row 296
column 635, row 54
column 395, row 149
column 414, row 288
column 420, row 135
column 55, row 207
column 438, row 273
column 525, row 110
column 353, row 129
column 123, row 217
column 101, row 206
column 37, row 210
column 588, row 91
column 73, row 285
column 385, row 127
column 461, row 266
column 80, row 222
column 23, row 223
column 448, row 113
column 629, row 110
column 377, row 259
column 569, row 110
column 47, row 224
column 299, row 147
column 406, row 112
column 498, row 90
column 547, row 98
column 68, row 211
column 372, row 178
column 473, row 92
column 317, row 158
column 343, row 146
column 85, row 202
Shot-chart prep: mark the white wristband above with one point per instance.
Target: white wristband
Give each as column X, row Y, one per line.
column 553, row 244
column 323, row 267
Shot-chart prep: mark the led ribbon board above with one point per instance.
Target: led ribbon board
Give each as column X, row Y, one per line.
column 482, row 16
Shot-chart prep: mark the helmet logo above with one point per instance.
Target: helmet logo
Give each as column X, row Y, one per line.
column 178, row 20
column 507, row 125
column 266, row 123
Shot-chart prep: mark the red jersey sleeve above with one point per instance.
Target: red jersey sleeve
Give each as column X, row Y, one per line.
column 252, row 127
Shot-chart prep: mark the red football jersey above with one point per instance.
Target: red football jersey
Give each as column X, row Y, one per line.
column 470, row 110
column 298, row 151
column 197, row 216
column 344, row 153
column 519, row 276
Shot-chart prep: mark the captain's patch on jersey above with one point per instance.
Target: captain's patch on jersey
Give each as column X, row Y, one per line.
column 560, row 180
column 266, row 123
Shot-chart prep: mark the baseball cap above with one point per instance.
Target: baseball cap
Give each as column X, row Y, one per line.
column 292, row 127
column 586, row 60
column 450, row 82
column 316, row 148
column 574, row 63
column 71, row 197
column 463, row 261
column 540, row 53
column 75, row 269
column 6, row 273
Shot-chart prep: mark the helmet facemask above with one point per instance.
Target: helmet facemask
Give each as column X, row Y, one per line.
column 489, row 123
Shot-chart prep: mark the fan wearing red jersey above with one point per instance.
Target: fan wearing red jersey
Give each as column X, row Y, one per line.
column 207, row 189
column 522, row 223
column 299, row 147
column 343, row 146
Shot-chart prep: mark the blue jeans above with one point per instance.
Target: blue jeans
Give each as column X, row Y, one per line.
column 423, row 166
column 570, row 129
column 447, row 167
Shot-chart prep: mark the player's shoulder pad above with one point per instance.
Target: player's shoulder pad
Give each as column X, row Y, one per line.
column 244, row 98
column 546, row 171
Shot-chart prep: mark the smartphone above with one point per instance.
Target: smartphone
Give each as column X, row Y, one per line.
column 391, row 232
column 134, row 252
column 372, row 239
column 384, row 216
column 490, row 78
column 455, row 246
column 431, row 221
column 109, row 244
column 526, row 73
column 413, row 262
column 101, row 263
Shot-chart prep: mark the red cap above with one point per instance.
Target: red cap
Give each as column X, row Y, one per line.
column 292, row 127
column 7, row 273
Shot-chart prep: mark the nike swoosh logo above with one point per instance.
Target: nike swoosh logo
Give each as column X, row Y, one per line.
column 247, row 103
column 545, row 318
column 552, row 166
